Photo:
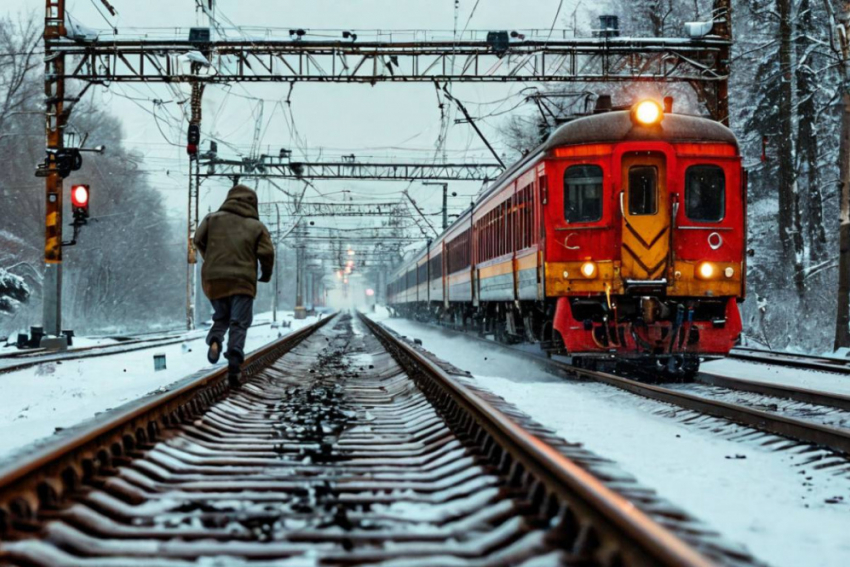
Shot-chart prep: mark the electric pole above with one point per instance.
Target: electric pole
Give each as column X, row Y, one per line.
column 276, row 265
column 56, row 120
column 192, row 259
column 445, row 187
column 300, row 311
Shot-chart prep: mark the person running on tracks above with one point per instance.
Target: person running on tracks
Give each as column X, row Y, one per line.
column 232, row 241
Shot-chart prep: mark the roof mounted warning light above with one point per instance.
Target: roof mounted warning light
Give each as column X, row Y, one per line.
column 647, row 113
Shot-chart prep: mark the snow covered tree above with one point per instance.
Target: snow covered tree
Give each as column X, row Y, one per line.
column 790, row 223
column 840, row 17
column 13, row 291
column 19, row 42
column 808, row 143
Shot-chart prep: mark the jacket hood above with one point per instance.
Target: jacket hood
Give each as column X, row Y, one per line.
column 241, row 201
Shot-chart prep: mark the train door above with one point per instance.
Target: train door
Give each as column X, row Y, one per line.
column 645, row 207
column 540, row 199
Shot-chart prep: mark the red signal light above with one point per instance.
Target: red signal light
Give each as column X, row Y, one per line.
column 80, row 196
column 80, row 204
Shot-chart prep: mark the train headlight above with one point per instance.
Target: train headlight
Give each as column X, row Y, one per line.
column 647, row 113
column 706, row 271
column 588, row 270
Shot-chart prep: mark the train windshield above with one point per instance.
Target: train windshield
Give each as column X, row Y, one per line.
column 583, row 193
column 643, row 190
column 705, row 193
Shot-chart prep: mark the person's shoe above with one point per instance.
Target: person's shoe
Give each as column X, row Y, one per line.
column 234, row 378
column 214, row 353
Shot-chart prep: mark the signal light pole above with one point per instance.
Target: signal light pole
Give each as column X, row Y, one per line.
column 57, row 117
column 193, row 142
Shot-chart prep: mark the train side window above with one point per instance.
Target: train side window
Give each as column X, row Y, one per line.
column 705, row 193
column 583, row 193
column 643, row 190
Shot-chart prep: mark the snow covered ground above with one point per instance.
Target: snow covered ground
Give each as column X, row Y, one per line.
column 37, row 400
column 752, row 494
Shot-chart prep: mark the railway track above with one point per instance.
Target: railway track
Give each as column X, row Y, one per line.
column 21, row 360
column 345, row 446
column 834, row 438
column 793, row 393
column 810, row 362
column 120, row 341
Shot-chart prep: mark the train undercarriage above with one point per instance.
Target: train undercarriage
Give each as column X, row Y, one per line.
column 654, row 337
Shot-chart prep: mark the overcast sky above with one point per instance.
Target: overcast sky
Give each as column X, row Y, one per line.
column 381, row 120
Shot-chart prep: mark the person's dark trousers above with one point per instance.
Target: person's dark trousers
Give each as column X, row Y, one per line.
column 234, row 313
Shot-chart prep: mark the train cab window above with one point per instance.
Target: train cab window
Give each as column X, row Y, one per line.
column 705, row 193
column 643, row 190
column 583, row 193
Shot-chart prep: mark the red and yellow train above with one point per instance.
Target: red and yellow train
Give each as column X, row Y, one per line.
column 622, row 237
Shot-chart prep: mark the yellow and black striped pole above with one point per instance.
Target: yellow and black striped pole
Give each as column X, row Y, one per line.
column 55, row 120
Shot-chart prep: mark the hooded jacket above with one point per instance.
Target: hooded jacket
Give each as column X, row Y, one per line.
column 232, row 241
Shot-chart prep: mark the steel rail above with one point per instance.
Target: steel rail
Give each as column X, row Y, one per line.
column 830, row 437
column 129, row 338
column 35, row 353
column 31, row 477
column 38, row 351
column 791, row 360
column 836, row 439
column 93, row 351
column 803, row 395
column 571, row 482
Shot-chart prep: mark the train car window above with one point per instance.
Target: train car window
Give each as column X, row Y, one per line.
column 643, row 190
column 436, row 266
column 705, row 193
column 583, row 193
column 458, row 250
column 520, row 219
column 503, row 229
